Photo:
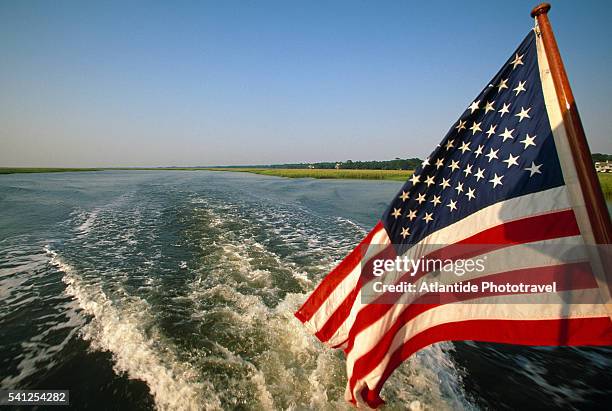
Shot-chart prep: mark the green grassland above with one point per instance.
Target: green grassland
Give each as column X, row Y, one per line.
column 606, row 185
column 397, row 175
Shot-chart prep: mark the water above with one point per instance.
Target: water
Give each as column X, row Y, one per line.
column 175, row 290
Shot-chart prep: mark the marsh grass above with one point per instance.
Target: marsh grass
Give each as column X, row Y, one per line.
column 397, row 175
column 606, row 185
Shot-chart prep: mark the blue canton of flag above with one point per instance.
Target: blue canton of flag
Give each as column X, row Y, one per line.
column 501, row 147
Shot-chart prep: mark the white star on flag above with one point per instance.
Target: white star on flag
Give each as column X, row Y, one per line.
column 496, row 180
column 523, row 114
column 520, row 87
column 474, row 106
column 511, row 160
column 505, row 109
column 518, row 60
column 534, row 169
column 507, row 134
column 492, row 155
column 528, row 141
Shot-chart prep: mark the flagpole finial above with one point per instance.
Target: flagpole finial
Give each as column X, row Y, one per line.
column 542, row 8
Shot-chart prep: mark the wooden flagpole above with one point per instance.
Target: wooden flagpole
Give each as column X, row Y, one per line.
column 591, row 190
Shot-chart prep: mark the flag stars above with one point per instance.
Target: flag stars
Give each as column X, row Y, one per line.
column 478, row 151
column 439, row 163
column 461, row 126
column 420, row 198
column 405, row 232
column 411, row 215
column 474, row 106
column 479, row 174
column 415, row 179
column 523, row 114
column 428, row 217
column 449, row 144
column 489, row 106
column 520, row 87
column 445, row 183
column 504, row 110
column 492, row 155
column 425, row 162
column 496, row 180
column 518, row 61
column 396, row 212
column 533, row 169
column 465, row 146
column 502, row 85
column 452, row 205
column 453, row 165
column 511, row 160
column 459, row 188
column 404, row 196
column 429, row 181
column 507, row 134
column 471, row 194
column 475, row 127
column 468, row 170
column 528, row 141
column 436, row 200
column 491, row 130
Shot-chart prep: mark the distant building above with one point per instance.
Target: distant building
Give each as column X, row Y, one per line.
column 603, row 166
column 337, row 167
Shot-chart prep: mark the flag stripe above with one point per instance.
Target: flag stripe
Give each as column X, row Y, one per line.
column 493, row 215
column 549, row 306
column 558, row 224
column 573, row 276
column 575, row 331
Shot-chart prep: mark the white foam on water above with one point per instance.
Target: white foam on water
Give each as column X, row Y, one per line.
column 90, row 218
column 126, row 330
column 297, row 370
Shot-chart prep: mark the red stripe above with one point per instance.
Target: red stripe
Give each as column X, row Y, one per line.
column 571, row 332
column 548, row 226
column 330, row 327
column 572, row 276
column 335, row 277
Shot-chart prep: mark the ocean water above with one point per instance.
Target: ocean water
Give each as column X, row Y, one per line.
column 175, row 290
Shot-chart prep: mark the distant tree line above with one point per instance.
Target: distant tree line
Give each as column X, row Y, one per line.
column 397, row 164
column 601, row 157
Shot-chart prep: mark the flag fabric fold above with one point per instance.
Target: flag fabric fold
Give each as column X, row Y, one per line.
column 501, row 179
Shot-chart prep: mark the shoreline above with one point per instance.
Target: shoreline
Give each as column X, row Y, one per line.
column 350, row 174
column 605, row 180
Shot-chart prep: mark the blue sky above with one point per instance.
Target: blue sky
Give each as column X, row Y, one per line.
column 256, row 82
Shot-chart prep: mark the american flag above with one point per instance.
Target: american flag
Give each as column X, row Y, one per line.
column 501, row 178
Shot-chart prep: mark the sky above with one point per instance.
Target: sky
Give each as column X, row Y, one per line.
column 105, row 84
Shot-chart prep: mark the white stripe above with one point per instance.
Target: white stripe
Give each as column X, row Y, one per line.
column 512, row 307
